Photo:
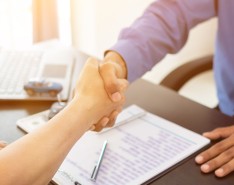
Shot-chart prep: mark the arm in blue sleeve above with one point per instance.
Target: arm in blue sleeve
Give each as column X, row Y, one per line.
column 162, row 29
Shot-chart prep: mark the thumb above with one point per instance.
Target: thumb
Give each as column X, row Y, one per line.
column 111, row 81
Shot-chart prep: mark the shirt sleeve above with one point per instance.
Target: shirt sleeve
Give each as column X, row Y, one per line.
column 163, row 28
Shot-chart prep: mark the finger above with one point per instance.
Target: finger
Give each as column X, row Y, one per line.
column 217, row 133
column 123, row 88
column 218, row 161
column 100, row 124
column 112, row 120
column 119, row 105
column 212, row 135
column 215, row 150
column 123, row 85
column 110, row 79
column 3, row 144
column 92, row 128
column 225, row 169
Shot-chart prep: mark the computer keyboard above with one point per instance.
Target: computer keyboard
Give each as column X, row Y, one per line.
column 16, row 68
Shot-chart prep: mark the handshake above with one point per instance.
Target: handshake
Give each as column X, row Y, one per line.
column 100, row 89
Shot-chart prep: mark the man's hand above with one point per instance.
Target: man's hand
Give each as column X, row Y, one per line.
column 90, row 92
column 114, row 74
column 220, row 157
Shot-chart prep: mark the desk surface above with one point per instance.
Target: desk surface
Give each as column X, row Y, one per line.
column 156, row 99
column 198, row 118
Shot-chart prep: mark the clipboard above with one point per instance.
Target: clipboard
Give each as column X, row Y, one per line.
column 137, row 151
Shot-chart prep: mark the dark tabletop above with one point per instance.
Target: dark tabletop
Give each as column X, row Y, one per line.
column 155, row 99
column 196, row 117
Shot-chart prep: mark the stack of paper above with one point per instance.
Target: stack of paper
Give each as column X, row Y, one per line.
column 142, row 148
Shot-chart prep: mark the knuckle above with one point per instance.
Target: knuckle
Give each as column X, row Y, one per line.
column 207, row 155
column 228, row 168
column 229, row 154
column 104, row 67
column 219, row 147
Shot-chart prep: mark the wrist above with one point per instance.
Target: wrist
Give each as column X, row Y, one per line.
column 78, row 113
column 112, row 56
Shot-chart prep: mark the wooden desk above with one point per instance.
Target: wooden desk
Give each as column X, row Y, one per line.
column 155, row 99
column 168, row 104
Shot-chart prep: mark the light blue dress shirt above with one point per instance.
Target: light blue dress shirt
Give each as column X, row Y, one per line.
column 164, row 28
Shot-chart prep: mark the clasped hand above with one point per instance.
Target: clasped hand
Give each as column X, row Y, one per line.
column 107, row 85
column 219, row 158
column 90, row 91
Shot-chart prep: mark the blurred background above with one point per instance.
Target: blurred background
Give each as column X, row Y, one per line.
column 93, row 26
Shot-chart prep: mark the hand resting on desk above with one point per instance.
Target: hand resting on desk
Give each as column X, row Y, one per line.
column 220, row 157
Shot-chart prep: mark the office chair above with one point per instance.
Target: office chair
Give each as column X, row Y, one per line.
column 178, row 77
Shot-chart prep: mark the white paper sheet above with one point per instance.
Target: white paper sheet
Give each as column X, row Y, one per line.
column 136, row 152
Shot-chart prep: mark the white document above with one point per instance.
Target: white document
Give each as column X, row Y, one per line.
column 32, row 122
column 136, row 152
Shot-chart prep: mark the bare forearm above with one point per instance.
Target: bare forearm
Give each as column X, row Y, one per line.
column 35, row 158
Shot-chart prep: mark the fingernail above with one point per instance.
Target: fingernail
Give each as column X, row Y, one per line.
column 219, row 172
column 199, row 159
column 116, row 97
column 205, row 168
column 105, row 121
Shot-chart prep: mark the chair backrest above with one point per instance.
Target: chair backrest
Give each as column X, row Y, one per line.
column 178, row 77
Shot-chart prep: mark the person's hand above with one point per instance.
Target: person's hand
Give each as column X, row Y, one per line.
column 105, row 121
column 90, row 92
column 114, row 73
column 3, row 144
column 220, row 157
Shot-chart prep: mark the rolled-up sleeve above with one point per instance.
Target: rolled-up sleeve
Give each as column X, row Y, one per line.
column 163, row 28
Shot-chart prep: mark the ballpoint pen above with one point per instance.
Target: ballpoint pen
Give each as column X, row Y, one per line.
column 97, row 166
